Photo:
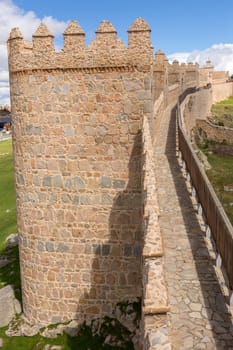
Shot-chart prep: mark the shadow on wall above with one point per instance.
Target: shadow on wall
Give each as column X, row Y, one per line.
column 215, row 308
column 116, row 267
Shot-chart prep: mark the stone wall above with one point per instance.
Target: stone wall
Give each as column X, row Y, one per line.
column 196, row 106
column 85, row 120
column 154, row 323
column 77, row 117
column 214, row 132
column 222, row 91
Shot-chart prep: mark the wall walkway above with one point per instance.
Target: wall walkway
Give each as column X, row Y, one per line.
column 199, row 317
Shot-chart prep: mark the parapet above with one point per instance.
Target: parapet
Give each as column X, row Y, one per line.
column 74, row 38
column 160, row 61
column 106, row 50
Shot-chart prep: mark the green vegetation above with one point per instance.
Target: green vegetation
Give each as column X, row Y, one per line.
column 222, row 113
column 219, row 156
column 10, row 274
column 84, row 341
column 7, row 193
column 220, row 175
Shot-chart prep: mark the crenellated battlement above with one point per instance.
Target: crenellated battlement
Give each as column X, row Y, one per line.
column 106, row 50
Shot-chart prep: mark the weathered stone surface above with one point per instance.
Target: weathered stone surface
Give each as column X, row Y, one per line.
column 9, row 306
column 4, row 260
column 12, row 240
column 193, row 297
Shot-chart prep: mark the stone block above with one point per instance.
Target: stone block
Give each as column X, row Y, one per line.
column 57, row 181
column 36, row 180
column 56, row 319
column 66, row 198
column 124, row 117
column 132, row 85
column 116, row 250
column 62, row 248
column 29, row 130
column 127, row 250
column 85, row 199
column 147, row 107
column 106, row 182
column 75, row 200
column 144, row 95
column 106, row 199
column 9, row 306
column 96, row 249
column 68, row 183
column 49, row 246
column 52, row 198
column 47, row 181
column 105, row 249
column 118, row 183
column 137, row 250
column 20, row 179
column 12, row 240
column 40, row 246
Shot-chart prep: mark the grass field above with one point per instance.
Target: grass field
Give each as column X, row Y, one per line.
column 84, row 341
column 222, row 113
column 220, row 175
column 7, row 193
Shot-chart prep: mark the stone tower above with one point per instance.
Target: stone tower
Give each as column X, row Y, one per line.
column 77, row 118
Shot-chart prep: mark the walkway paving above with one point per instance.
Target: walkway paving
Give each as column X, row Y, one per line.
column 199, row 317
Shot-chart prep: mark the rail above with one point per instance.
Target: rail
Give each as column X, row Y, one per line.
column 217, row 220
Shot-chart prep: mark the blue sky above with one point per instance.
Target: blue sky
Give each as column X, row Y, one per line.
column 190, row 31
column 176, row 25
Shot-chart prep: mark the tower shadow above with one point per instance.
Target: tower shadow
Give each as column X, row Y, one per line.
column 115, row 276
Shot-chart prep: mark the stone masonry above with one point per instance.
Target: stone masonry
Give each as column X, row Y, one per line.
column 85, row 121
column 77, row 117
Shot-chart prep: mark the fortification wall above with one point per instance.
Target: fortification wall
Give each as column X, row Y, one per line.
column 85, row 120
column 154, row 323
column 222, row 91
column 77, row 118
column 214, row 132
column 196, row 106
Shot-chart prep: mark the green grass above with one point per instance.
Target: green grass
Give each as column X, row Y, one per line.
column 9, row 274
column 222, row 113
column 228, row 101
column 7, row 193
column 84, row 341
column 221, row 174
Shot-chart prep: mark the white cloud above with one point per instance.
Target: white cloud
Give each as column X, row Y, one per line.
column 221, row 55
column 12, row 16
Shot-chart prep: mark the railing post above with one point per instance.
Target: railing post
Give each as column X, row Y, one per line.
column 180, row 156
column 199, row 209
column 208, row 232
column 219, row 261
column 184, row 165
column 231, row 298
